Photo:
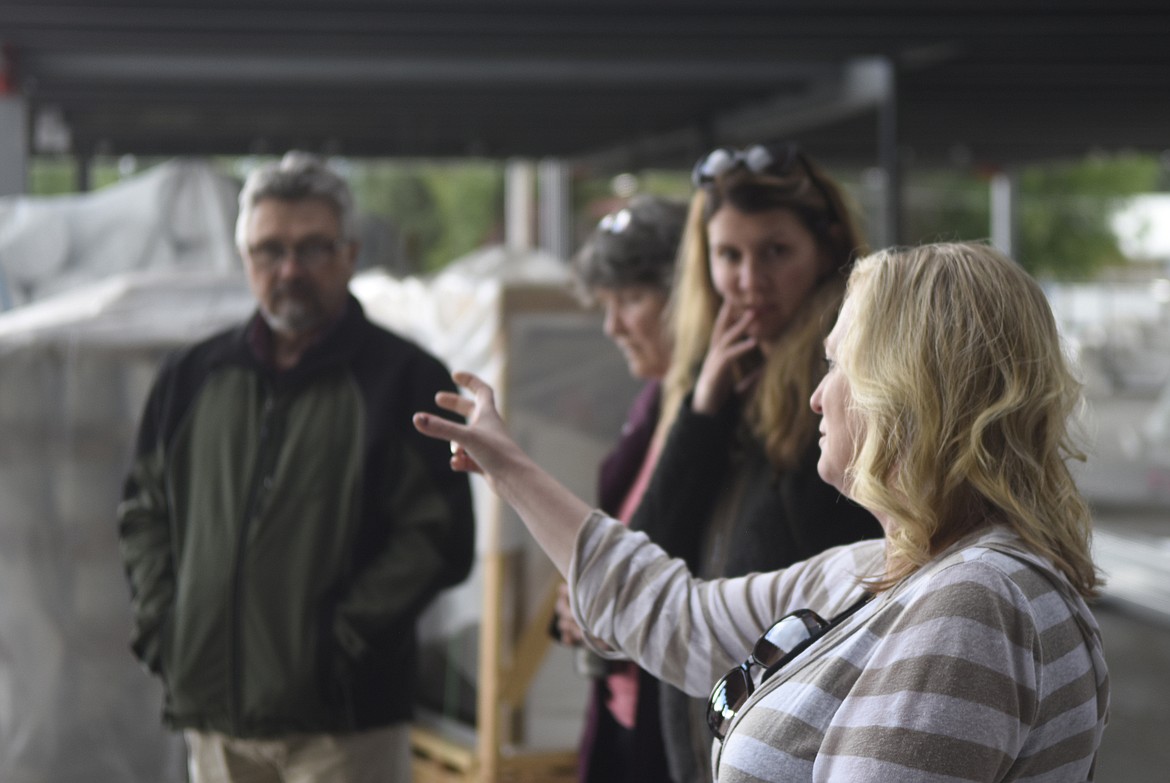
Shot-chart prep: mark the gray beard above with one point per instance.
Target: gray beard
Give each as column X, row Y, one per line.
column 296, row 320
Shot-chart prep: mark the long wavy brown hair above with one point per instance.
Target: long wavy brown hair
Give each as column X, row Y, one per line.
column 778, row 412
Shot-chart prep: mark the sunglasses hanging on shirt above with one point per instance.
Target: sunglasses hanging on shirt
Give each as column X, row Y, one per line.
column 788, row 637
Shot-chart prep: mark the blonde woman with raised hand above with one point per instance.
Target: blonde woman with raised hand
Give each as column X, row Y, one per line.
column 957, row 647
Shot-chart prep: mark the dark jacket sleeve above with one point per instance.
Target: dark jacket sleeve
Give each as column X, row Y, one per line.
column 144, row 532
column 687, row 479
column 451, row 486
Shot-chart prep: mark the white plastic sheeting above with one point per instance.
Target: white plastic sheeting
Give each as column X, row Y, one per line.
column 176, row 216
column 74, row 372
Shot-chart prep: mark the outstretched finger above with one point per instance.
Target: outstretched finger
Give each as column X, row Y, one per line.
column 723, row 318
column 444, row 429
column 462, row 461
column 455, row 402
column 472, row 382
column 734, row 332
column 437, row 427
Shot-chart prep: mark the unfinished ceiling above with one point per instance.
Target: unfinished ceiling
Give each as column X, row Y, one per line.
column 637, row 82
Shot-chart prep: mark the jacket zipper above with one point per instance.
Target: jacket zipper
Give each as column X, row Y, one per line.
column 259, row 476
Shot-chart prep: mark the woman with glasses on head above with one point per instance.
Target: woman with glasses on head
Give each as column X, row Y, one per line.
column 960, row 646
column 763, row 268
column 626, row 266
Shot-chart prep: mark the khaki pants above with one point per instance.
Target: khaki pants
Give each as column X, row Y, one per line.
column 377, row 756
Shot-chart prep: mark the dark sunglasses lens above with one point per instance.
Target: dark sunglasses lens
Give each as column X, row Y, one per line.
column 781, row 639
column 729, row 695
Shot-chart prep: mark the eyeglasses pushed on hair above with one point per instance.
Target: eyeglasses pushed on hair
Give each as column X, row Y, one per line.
column 788, row 637
column 307, row 253
column 779, row 160
column 616, row 222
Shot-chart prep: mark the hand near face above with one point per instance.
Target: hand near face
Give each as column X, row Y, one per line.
column 731, row 343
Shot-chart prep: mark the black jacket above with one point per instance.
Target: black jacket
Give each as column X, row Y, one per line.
column 282, row 531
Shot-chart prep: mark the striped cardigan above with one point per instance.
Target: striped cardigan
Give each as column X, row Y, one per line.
column 984, row 665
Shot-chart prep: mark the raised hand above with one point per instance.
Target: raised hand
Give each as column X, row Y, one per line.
column 484, row 432
column 552, row 513
column 730, row 342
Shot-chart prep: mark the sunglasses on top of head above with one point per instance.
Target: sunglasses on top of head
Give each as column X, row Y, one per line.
column 779, row 160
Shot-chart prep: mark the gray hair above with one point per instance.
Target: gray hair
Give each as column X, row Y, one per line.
column 297, row 176
column 636, row 245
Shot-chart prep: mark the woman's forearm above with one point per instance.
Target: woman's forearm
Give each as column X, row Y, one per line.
column 551, row 512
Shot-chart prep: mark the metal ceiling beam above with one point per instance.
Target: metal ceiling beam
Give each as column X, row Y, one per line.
column 254, row 69
column 1000, row 78
column 859, row 86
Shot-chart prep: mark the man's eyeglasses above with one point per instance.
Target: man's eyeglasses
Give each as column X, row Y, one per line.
column 779, row 160
column 307, row 253
column 786, row 639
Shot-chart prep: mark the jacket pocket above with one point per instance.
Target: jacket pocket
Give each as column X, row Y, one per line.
column 336, row 676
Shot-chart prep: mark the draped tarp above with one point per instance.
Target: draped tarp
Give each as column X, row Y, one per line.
column 75, row 707
column 179, row 215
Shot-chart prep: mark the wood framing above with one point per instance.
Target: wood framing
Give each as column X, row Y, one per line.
column 507, row 660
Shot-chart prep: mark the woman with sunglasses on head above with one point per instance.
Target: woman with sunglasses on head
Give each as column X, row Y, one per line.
column 959, row 646
column 763, row 267
column 626, row 266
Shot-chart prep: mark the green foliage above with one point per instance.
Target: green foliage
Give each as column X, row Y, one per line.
column 667, row 184
column 946, row 206
column 57, row 175
column 593, row 195
column 404, row 197
column 1066, row 208
column 470, row 199
column 441, row 211
column 52, row 175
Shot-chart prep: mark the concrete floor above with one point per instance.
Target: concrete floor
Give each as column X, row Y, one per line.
column 1131, row 503
column 1136, row 746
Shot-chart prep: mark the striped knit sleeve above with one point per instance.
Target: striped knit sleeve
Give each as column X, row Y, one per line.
column 630, row 595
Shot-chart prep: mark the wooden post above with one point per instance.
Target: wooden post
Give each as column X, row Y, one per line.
column 487, row 729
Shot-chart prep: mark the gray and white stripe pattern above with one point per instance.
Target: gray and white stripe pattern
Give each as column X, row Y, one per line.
column 984, row 665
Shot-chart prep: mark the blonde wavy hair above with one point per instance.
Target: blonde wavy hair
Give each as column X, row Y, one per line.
column 778, row 412
column 964, row 398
